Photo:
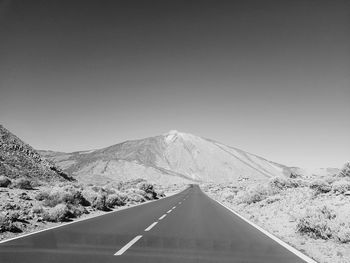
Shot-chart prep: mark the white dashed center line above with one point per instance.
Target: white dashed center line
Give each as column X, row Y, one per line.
column 160, row 218
column 151, row 226
column 127, row 246
column 135, row 239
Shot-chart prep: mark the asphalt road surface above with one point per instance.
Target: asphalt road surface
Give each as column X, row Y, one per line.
column 186, row 227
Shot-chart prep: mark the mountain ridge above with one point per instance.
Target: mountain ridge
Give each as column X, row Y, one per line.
column 19, row 159
column 169, row 157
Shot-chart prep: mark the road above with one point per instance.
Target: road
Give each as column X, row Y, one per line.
column 186, row 227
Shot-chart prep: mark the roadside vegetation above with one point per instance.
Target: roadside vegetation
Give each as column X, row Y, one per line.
column 27, row 205
column 311, row 214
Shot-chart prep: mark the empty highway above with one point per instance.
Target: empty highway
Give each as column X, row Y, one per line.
column 186, row 227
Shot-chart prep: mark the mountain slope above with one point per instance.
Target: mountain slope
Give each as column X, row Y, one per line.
column 169, row 158
column 18, row 159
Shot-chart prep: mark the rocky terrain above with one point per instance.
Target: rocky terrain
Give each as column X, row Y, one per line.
column 19, row 161
column 173, row 157
column 311, row 214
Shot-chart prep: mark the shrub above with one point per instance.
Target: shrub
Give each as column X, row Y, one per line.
column 76, row 210
column 23, row 183
column 294, row 175
column 320, row 186
column 89, row 194
column 282, row 183
column 96, row 188
column 59, row 213
column 341, row 186
column 136, row 198
column 6, row 224
column 273, row 199
column 65, row 195
column 342, row 231
column 42, row 195
column 4, row 181
column 316, row 223
column 37, row 209
column 325, row 224
column 253, row 194
column 13, row 216
column 99, row 202
column 115, row 200
column 148, row 189
column 109, row 191
column 160, row 194
column 345, row 172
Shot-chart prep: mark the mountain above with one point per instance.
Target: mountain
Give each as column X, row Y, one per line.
column 18, row 159
column 173, row 157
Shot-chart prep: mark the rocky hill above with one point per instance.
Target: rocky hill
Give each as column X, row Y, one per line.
column 20, row 160
column 173, row 157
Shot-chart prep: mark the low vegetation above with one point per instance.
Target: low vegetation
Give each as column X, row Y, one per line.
column 27, row 205
column 324, row 223
column 4, row 181
column 312, row 214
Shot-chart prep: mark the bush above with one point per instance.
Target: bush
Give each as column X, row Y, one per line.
column 99, row 202
column 316, row 223
column 115, row 200
column 320, row 186
column 160, row 194
column 148, row 189
column 96, row 188
column 325, row 224
column 272, row 199
column 42, row 195
column 4, row 181
column 109, row 191
column 135, row 198
column 13, row 216
column 76, row 210
column 294, row 175
column 253, row 194
column 341, row 186
column 345, row 172
column 6, row 224
column 342, row 231
column 65, row 195
column 37, row 209
column 89, row 194
column 23, row 183
column 59, row 213
column 282, row 183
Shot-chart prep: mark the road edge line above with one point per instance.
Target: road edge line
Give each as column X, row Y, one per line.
column 83, row 219
column 273, row 237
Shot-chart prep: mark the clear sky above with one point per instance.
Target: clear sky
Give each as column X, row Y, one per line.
column 269, row 77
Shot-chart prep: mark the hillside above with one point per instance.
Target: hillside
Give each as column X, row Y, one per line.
column 36, row 194
column 18, row 159
column 173, row 157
